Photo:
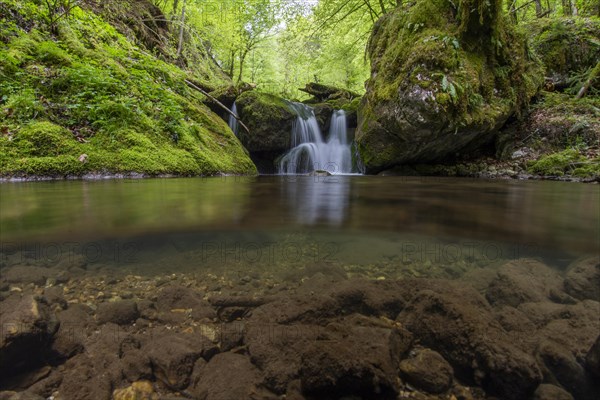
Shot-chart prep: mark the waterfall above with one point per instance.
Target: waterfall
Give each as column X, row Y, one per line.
column 234, row 124
column 310, row 152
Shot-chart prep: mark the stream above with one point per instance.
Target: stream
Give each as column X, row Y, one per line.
column 385, row 223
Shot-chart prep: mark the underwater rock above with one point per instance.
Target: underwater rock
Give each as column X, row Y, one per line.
column 551, row 392
column 74, row 323
column 457, row 322
column 445, row 77
column 27, row 274
column 85, row 378
column 227, row 376
column 121, row 312
column 427, row 370
column 8, row 395
column 173, row 356
column 136, row 365
column 592, row 360
column 560, row 367
column 27, row 329
column 175, row 303
column 353, row 356
column 583, row 279
column 523, row 281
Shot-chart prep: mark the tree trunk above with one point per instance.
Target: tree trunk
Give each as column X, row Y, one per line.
column 538, row 7
column 512, row 13
column 231, row 64
column 242, row 59
column 567, row 8
column 181, row 29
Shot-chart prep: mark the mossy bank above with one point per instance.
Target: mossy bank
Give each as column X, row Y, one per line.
column 78, row 96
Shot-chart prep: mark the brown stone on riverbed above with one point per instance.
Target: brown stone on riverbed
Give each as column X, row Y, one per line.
column 227, row 376
column 26, row 274
column 592, row 360
column 427, row 370
column 173, row 356
column 551, row 392
column 27, row 329
column 583, row 279
column 122, row 312
column 523, row 281
column 457, row 322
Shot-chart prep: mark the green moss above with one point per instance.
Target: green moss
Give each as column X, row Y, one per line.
column 90, row 91
column 566, row 162
column 45, row 139
column 51, row 54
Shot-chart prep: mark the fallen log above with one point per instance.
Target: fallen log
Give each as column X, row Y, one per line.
column 325, row 92
column 217, row 102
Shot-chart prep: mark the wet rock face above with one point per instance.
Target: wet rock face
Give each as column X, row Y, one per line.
column 269, row 120
column 437, row 86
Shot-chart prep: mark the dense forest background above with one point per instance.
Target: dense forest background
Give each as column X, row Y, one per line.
column 282, row 44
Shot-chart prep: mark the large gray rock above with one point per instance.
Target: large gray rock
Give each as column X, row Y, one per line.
column 445, row 76
column 269, row 120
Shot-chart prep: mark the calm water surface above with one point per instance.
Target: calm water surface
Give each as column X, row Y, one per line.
column 383, row 223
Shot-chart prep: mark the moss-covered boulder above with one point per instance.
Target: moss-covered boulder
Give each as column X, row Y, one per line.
column 269, row 120
column 324, row 111
column 568, row 47
column 445, row 76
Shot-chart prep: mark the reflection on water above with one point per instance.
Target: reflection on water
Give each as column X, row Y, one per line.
column 363, row 217
column 318, row 200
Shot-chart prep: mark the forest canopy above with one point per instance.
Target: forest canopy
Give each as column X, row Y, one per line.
column 280, row 45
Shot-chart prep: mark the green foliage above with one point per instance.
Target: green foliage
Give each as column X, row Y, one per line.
column 23, row 106
column 566, row 45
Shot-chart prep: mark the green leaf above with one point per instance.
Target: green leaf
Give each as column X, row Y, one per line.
column 445, row 83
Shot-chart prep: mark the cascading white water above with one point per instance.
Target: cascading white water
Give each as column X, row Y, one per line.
column 234, row 124
column 310, row 152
